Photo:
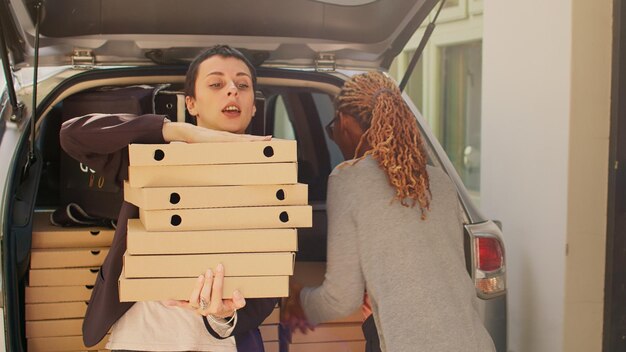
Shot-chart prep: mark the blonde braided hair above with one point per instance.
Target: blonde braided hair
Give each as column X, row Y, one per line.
column 392, row 133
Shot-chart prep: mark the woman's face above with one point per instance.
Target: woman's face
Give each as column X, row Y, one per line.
column 347, row 134
column 224, row 96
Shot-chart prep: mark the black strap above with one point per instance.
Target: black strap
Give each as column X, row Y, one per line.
column 74, row 215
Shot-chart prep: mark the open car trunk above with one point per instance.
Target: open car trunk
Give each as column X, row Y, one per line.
column 290, row 105
column 285, row 108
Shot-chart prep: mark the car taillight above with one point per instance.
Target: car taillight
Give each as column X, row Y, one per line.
column 489, row 253
column 489, row 271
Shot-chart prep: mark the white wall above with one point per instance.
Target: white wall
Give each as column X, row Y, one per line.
column 525, row 139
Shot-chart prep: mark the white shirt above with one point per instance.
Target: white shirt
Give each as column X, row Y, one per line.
column 153, row 326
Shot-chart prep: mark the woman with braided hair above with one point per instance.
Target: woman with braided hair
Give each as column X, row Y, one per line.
column 394, row 229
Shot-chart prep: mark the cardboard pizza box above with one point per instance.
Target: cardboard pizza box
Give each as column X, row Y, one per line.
column 62, row 310
column 341, row 346
column 273, row 318
column 51, row 328
column 134, row 290
column 152, row 198
column 64, row 343
column 272, row 346
column 63, row 277
column 50, row 294
column 141, row 241
column 227, row 218
column 212, row 175
column 67, row 258
column 329, row 333
column 46, row 235
column 192, row 265
column 269, row 332
column 180, row 153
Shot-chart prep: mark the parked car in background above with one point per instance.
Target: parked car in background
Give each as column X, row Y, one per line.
column 304, row 50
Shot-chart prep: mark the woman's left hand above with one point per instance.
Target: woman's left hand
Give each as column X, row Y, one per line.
column 206, row 298
column 291, row 313
column 366, row 307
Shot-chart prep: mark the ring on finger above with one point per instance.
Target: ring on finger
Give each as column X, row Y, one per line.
column 203, row 304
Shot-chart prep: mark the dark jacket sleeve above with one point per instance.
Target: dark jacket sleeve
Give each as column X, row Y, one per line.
column 248, row 317
column 101, row 141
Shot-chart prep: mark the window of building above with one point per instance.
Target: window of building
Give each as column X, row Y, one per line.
column 446, row 84
column 459, row 132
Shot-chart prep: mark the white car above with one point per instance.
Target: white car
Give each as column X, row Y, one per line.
column 304, row 51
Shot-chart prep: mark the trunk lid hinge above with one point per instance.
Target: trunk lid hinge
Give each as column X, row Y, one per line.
column 18, row 112
column 325, row 62
column 83, row 59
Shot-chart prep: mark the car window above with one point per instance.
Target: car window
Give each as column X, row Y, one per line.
column 326, row 112
column 302, row 116
column 283, row 128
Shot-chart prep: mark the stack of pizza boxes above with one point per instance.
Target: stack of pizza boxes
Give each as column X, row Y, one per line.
column 63, row 269
column 340, row 335
column 270, row 331
column 201, row 204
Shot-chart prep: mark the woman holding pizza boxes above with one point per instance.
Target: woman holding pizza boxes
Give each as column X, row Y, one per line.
column 220, row 88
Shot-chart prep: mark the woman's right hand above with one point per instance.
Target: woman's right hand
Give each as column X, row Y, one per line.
column 206, row 298
column 186, row 132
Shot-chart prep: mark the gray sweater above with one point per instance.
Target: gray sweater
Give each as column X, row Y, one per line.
column 414, row 270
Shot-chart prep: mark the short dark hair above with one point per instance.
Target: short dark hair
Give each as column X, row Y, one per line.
column 221, row 50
